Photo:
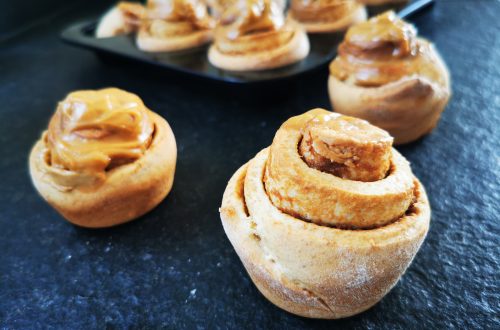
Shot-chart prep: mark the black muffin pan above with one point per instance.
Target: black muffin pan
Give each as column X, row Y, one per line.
column 195, row 62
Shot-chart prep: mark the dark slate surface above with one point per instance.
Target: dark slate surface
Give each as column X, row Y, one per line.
column 175, row 267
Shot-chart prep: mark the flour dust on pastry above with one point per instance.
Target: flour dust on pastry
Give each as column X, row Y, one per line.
column 255, row 35
column 105, row 158
column 323, row 16
column 173, row 25
column 387, row 75
column 124, row 18
column 327, row 219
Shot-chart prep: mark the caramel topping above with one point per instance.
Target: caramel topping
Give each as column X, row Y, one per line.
column 381, row 50
column 381, row 34
column 132, row 11
column 192, row 11
column 347, row 147
column 321, row 10
column 94, row 131
column 251, row 17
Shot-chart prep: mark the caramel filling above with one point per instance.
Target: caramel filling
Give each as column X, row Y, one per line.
column 315, row 11
column 176, row 17
column 382, row 50
column 92, row 132
column 253, row 26
column 347, row 147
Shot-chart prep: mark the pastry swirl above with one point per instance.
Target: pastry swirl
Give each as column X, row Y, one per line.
column 254, row 35
column 327, row 15
column 385, row 74
column 171, row 25
column 105, row 158
column 318, row 243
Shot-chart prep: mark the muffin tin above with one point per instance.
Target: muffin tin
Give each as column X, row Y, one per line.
column 194, row 62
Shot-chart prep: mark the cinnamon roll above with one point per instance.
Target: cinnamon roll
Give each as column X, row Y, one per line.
column 328, row 218
column 387, row 75
column 105, row 159
column 254, row 35
column 172, row 25
column 319, row 16
column 124, row 18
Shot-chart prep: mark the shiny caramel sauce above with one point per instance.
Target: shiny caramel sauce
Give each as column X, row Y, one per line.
column 253, row 26
column 95, row 131
column 347, row 147
column 382, row 50
column 191, row 11
column 250, row 17
column 321, row 10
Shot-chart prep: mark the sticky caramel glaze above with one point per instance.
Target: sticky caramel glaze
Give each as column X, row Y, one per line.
column 347, row 147
column 193, row 12
column 382, row 50
column 321, row 10
column 253, row 26
column 307, row 193
column 95, row 131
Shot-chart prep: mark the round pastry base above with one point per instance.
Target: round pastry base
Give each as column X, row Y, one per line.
column 148, row 43
column 129, row 190
column 292, row 52
column 321, row 272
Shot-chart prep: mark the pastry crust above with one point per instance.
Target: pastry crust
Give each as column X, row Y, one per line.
column 149, row 43
column 408, row 108
column 354, row 17
column 293, row 51
column 129, row 191
column 322, row 270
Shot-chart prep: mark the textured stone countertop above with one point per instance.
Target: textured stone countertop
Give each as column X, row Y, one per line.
column 175, row 267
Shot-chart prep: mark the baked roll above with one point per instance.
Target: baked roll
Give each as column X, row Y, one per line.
column 105, row 159
column 319, row 16
column 328, row 218
column 124, row 18
column 387, row 75
column 172, row 25
column 254, row 35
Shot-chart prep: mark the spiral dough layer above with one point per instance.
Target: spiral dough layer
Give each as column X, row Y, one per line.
column 316, row 242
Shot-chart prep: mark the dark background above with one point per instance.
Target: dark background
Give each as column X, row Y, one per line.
column 175, row 267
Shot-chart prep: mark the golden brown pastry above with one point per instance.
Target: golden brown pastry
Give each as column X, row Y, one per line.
column 328, row 218
column 254, row 35
column 385, row 74
column 320, row 16
column 172, row 25
column 124, row 18
column 105, row 159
